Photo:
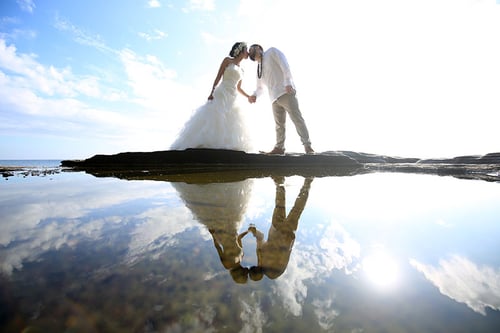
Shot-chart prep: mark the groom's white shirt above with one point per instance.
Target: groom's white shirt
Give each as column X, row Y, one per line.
column 276, row 74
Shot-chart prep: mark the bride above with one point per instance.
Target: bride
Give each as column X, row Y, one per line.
column 220, row 122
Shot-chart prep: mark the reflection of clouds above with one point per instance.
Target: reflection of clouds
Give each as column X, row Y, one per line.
column 252, row 316
column 47, row 236
column 160, row 226
column 465, row 282
column 325, row 312
column 291, row 286
column 336, row 250
column 260, row 205
column 42, row 214
column 200, row 320
column 339, row 249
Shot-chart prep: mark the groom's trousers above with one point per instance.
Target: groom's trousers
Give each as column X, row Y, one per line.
column 288, row 103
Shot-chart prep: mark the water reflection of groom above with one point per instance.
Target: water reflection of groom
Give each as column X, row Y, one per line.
column 273, row 255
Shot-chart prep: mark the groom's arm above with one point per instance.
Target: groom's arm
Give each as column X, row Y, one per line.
column 280, row 59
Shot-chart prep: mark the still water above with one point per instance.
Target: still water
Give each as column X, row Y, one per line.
column 375, row 252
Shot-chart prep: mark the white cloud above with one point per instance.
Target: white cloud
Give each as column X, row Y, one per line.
column 81, row 36
column 27, row 5
column 252, row 316
column 33, row 226
column 152, row 83
column 55, row 100
column 35, row 98
column 464, row 281
column 326, row 313
column 336, row 251
column 165, row 104
column 155, row 35
column 211, row 39
column 382, row 73
column 158, row 231
column 23, row 74
column 202, row 5
column 154, row 4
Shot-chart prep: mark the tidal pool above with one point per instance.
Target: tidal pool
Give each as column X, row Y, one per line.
column 375, row 252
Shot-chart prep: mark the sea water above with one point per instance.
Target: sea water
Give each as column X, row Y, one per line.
column 384, row 252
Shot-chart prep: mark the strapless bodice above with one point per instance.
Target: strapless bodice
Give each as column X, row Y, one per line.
column 232, row 74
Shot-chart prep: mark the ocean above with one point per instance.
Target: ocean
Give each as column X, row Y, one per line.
column 31, row 163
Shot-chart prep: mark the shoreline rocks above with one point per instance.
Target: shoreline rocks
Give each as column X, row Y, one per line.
column 207, row 164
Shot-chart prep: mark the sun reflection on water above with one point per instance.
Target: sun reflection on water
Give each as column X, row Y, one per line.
column 381, row 269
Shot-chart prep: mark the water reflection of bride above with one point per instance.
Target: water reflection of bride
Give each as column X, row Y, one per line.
column 221, row 208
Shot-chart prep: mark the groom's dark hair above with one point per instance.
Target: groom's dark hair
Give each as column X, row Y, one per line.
column 252, row 54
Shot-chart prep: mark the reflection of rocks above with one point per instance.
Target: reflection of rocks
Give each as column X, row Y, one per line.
column 479, row 167
column 28, row 171
column 492, row 158
column 238, row 165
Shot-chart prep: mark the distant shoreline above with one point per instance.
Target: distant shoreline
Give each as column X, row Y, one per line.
column 9, row 168
column 16, row 165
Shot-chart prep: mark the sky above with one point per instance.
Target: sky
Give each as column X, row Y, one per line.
column 393, row 77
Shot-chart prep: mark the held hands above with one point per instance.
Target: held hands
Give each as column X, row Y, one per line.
column 256, row 233
column 252, row 99
column 252, row 228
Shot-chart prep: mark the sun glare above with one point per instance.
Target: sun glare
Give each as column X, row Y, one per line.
column 381, row 270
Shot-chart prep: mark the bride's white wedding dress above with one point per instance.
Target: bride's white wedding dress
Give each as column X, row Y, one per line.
column 219, row 123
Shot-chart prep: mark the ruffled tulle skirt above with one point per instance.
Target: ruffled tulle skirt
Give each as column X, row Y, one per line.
column 219, row 124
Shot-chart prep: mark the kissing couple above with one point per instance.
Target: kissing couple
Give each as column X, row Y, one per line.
column 220, row 122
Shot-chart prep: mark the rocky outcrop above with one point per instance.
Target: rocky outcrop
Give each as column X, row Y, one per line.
column 210, row 164
column 194, row 161
column 492, row 158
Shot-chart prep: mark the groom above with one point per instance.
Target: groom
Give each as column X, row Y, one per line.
column 273, row 71
column 273, row 254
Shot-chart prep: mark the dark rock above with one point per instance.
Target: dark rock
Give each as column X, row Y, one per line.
column 196, row 161
column 208, row 165
column 492, row 158
column 372, row 158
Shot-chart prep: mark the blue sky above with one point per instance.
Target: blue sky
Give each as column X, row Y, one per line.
column 398, row 77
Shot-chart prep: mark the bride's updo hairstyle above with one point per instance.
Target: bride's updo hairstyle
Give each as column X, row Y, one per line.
column 237, row 49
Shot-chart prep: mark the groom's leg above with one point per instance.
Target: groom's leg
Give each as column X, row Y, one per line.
column 290, row 103
column 280, row 124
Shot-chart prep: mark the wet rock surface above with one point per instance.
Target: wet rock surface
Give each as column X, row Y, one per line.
column 10, row 171
column 209, row 163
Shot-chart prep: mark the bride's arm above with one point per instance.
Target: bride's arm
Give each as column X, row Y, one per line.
column 242, row 91
column 222, row 67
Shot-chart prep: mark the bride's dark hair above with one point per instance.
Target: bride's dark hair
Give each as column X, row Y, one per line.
column 237, row 49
